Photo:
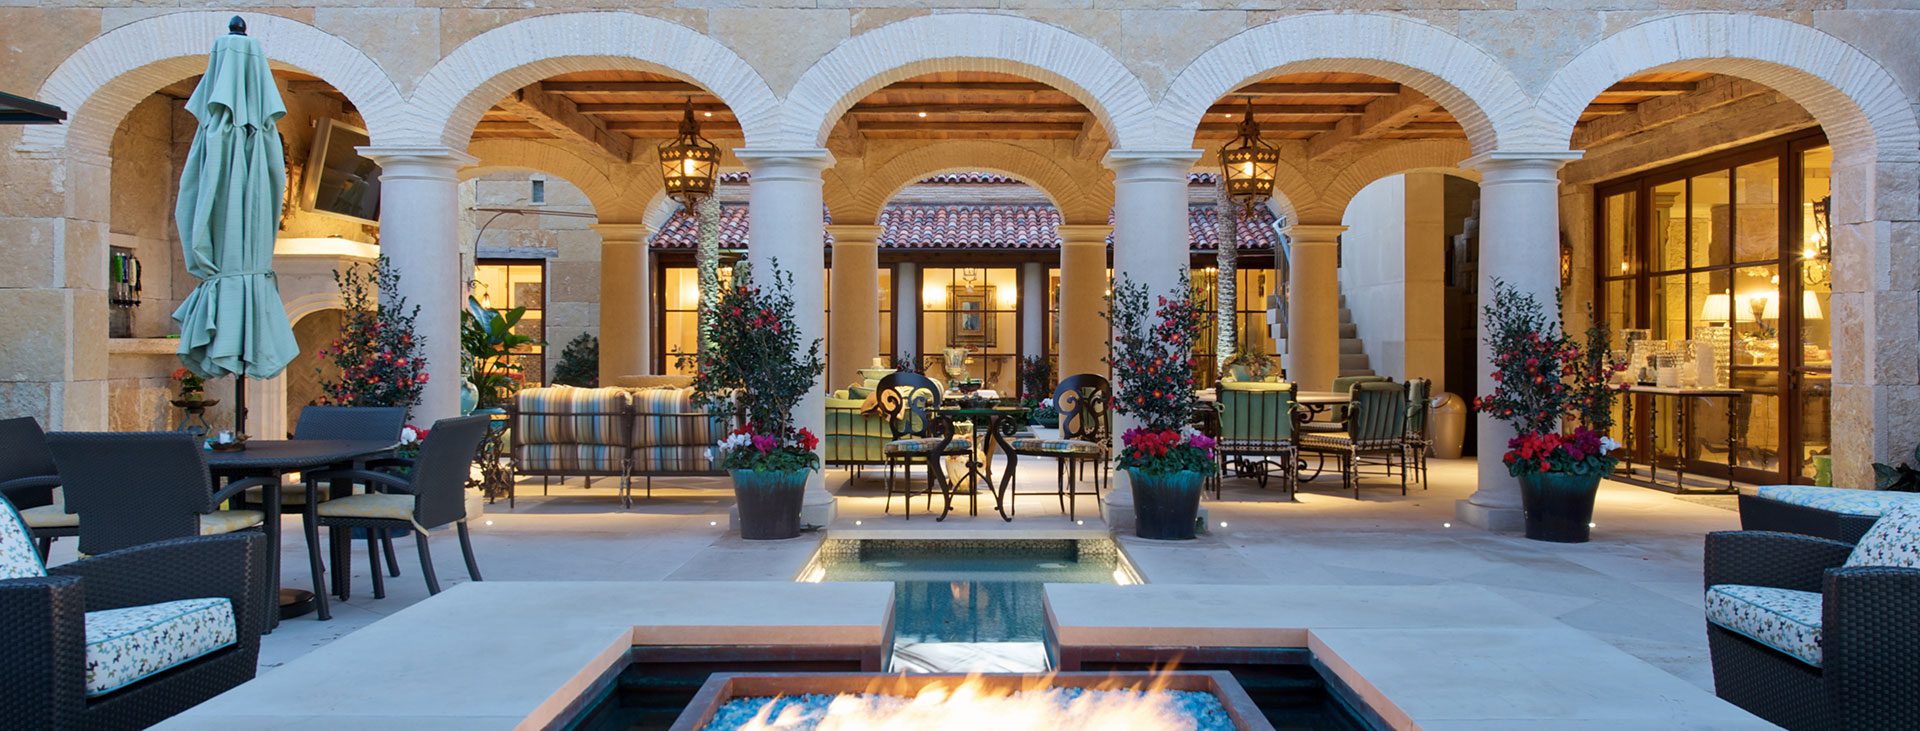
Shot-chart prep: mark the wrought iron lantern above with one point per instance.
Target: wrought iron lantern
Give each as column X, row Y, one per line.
column 689, row 162
column 1817, row 256
column 1248, row 164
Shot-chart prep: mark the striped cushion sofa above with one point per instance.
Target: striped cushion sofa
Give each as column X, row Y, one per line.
column 563, row 431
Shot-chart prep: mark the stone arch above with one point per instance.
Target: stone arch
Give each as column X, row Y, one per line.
column 1858, row 103
column 1392, row 159
column 453, row 95
column 1470, row 83
column 100, row 83
column 612, row 200
column 1080, row 198
column 967, row 42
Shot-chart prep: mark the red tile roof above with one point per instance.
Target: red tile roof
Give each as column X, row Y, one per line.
column 970, row 226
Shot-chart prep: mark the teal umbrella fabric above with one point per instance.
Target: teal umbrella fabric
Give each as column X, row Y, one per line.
column 228, row 212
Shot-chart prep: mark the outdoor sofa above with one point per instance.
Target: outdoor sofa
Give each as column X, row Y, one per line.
column 1811, row 633
column 616, row 431
column 856, row 433
column 1836, row 513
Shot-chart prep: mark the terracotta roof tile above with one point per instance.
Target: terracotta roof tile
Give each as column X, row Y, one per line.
column 970, row 226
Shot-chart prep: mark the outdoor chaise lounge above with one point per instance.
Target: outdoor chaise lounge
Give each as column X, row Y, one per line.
column 1835, row 513
column 125, row 639
column 1812, row 633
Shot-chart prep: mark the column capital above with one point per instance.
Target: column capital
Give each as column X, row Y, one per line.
column 1130, row 165
column 418, row 158
column 803, row 163
column 621, row 234
column 1502, row 160
column 855, row 234
column 1313, row 234
column 1083, row 234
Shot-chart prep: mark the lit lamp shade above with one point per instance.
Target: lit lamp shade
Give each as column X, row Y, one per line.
column 688, row 163
column 1718, row 308
column 1809, row 308
column 1248, row 164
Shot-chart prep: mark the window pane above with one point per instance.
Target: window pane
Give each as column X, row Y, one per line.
column 1669, row 227
column 1710, row 218
column 1619, row 225
column 1756, row 230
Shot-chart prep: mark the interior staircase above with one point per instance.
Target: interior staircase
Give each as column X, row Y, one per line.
column 1353, row 353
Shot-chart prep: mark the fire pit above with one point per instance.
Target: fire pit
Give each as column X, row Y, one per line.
column 1164, row 701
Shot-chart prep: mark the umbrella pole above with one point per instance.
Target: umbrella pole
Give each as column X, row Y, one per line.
column 240, row 409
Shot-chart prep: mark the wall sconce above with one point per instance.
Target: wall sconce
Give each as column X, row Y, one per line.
column 933, row 296
column 1816, row 259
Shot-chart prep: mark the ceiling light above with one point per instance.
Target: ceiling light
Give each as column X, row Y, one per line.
column 923, row 115
column 1248, row 165
column 707, row 113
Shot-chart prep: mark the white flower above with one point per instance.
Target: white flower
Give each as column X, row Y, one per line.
column 1607, row 445
column 1046, row 403
column 409, row 436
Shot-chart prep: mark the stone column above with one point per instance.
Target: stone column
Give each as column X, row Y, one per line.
column 906, row 309
column 1033, row 310
column 854, row 335
column 419, row 225
column 784, row 226
column 1874, row 312
column 626, row 314
column 1150, row 247
column 1083, row 290
column 1519, row 245
column 1313, row 305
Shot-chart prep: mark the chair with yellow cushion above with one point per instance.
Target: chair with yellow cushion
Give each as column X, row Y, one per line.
column 432, row 494
column 29, row 479
column 134, row 488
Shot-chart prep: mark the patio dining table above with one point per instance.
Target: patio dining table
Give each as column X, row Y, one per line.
column 269, row 461
column 990, row 424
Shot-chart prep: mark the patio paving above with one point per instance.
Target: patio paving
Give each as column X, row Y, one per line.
column 1636, row 587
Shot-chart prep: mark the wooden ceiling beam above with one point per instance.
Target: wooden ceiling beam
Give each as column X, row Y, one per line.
column 673, row 108
column 1265, row 127
column 664, row 130
column 1289, row 88
column 938, row 126
column 561, row 117
column 622, row 87
column 1661, row 88
column 1381, row 115
column 1286, row 110
column 965, row 110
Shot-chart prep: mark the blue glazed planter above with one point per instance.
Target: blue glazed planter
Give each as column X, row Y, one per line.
column 769, row 503
column 1165, row 507
column 1559, row 506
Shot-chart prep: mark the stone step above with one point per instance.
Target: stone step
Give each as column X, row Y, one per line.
column 1354, row 361
column 1349, row 330
column 1351, row 345
column 1346, row 315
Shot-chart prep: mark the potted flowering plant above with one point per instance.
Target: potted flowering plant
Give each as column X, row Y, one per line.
column 755, row 370
column 1165, row 459
column 377, row 359
column 1557, row 394
column 192, row 387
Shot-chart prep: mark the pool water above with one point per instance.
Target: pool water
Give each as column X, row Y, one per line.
column 970, row 606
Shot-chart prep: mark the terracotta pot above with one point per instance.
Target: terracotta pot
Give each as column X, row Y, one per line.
column 1165, row 507
column 769, row 503
column 1559, row 506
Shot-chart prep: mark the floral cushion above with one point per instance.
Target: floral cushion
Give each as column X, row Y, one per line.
column 1783, row 619
column 18, row 560
column 1056, row 446
column 50, row 516
column 924, row 445
column 126, row 645
column 1894, row 539
column 221, row 522
column 1836, row 499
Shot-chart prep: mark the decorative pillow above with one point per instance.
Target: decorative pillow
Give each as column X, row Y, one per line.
column 859, row 392
column 18, row 559
column 1894, row 539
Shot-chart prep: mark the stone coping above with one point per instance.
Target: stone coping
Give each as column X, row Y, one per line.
column 485, row 655
column 1428, row 657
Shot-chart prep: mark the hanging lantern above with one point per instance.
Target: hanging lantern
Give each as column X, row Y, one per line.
column 1248, row 165
column 689, row 162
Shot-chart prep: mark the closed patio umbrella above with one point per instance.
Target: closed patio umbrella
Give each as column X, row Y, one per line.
column 228, row 211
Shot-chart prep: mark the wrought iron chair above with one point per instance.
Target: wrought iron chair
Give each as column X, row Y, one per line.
column 1376, row 425
column 1256, row 430
column 907, row 402
column 432, row 495
column 29, row 479
column 1811, row 633
column 129, row 638
column 1418, row 441
column 1084, row 442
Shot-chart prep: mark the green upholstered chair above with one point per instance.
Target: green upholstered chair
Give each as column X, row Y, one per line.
column 908, row 404
column 1419, row 439
column 1256, row 430
column 1336, row 416
column 1376, row 425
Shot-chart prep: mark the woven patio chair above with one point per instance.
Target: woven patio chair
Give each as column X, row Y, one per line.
column 1336, row 415
column 1835, row 513
column 1256, row 431
column 29, row 479
column 1084, row 444
column 1811, row 633
column 126, row 639
column 907, row 402
column 431, row 495
column 364, row 423
column 1418, row 439
column 1376, row 426
column 134, row 488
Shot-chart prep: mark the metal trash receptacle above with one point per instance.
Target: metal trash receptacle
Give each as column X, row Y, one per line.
column 1449, row 414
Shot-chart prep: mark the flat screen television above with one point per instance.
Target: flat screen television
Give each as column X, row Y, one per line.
column 338, row 181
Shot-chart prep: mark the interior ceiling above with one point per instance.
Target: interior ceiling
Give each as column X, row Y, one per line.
column 612, row 110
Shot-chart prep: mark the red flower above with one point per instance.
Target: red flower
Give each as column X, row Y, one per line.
column 807, row 440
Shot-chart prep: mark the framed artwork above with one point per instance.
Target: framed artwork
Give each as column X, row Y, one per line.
column 971, row 323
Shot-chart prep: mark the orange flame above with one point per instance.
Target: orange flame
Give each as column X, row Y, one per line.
column 1034, row 704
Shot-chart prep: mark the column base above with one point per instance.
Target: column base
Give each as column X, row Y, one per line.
column 1116, row 506
column 1489, row 518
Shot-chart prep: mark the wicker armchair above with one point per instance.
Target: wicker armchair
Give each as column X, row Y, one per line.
column 432, row 495
column 1376, row 426
column 1084, row 443
column 907, row 402
column 126, row 639
column 1836, row 513
column 29, row 479
column 338, row 423
column 1811, row 633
